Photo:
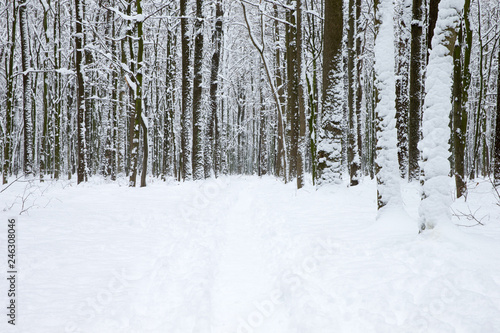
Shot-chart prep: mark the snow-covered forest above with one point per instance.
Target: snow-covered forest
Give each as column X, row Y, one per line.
column 308, row 90
column 272, row 137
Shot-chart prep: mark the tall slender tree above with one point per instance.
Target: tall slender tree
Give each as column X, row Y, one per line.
column 402, row 97
column 44, row 151
column 434, row 207
column 197, row 159
column 186, row 167
column 292, row 88
column 461, row 83
column 301, row 101
column 139, row 123
column 9, row 110
column 496, row 169
column 26, row 61
column 386, row 163
column 278, row 82
column 80, row 96
column 416, row 88
column 330, row 135
column 353, row 159
column 212, row 135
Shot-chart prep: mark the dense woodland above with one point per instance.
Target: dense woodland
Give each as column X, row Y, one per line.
column 336, row 90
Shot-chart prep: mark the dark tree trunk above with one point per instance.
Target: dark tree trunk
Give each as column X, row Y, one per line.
column 169, row 165
column 7, row 152
column 352, row 131
column 359, row 87
column 292, row 93
column 402, row 97
column 44, row 151
column 433, row 15
column 186, row 167
column 279, row 84
column 461, row 83
column 80, row 96
column 263, row 156
column 212, row 146
column 138, row 101
column 416, row 86
column 497, row 129
column 329, row 161
column 301, row 101
column 27, row 119
column 197, row 159
column 458, row 137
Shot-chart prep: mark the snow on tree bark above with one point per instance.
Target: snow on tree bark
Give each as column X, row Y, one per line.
column 436, row 199
column 80, row 103
column 27, row 118
column 197, row 159
column 386, row 161
column 212, row 136
column 496, row 170
column 461, row 83
column 301, row 101
column 330, row 133
column 353, row 158
column 9, row 110
column 402, row 80
column 414, row 116
column 186, row 167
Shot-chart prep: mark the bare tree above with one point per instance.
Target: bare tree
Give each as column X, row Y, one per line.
column 212, row 145
column 197, row 159
column 80, row 96
column 416, row 88
column 186, row 167
column 330, row 135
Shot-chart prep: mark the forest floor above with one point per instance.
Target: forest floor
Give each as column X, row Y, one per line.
column 246, row 254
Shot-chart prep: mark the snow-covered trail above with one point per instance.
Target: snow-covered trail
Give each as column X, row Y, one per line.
column 243, row 254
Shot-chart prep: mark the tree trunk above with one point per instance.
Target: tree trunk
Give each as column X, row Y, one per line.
column 386, row 163
column 27, row 119
column 281, row 94
column 330, row 135
column 169, row 165
column 197, row 158
column 211, row 147
column 435, row 146
column 416, row 87
column 140, row 117
column 44, row 140
column 497, row 128
column 263, row 156
column 359, row 87
column 352, row 131
column 292, row 90
column 301, row 101
column 80, row 102
column 433, row 14
column 402, row 97
column 186, row 167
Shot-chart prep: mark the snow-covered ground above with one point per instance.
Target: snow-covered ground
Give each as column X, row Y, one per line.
column 244, row 254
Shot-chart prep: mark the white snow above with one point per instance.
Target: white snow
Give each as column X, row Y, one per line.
column 65, row 71
column 386, row 159
column 244, row 254
column 435, row 145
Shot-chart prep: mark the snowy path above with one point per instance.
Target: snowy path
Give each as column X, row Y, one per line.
column 241, row 255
